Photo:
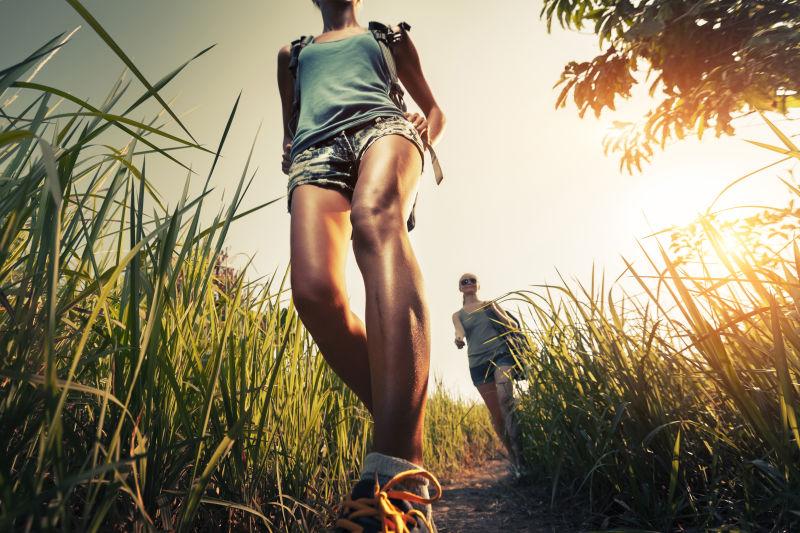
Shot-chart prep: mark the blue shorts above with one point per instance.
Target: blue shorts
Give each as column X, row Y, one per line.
column 334, row 163
column 484, row 372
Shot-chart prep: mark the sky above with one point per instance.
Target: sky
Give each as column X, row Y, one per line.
column 528, row 194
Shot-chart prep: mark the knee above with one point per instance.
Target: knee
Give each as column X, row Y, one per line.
column 502, row 377
column 374, row 224
column 317, row 296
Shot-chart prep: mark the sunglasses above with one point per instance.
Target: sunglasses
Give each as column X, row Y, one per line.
column 468, row 281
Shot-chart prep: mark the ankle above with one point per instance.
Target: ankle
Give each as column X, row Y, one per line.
column 385, row 467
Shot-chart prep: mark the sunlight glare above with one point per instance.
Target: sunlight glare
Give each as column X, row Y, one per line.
column 674, row 200
column 732, row 245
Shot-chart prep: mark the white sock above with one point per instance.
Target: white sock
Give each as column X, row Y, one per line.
column 387, row 467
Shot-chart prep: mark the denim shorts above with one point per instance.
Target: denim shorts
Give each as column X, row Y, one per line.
column 484, row 372
column 334, row 163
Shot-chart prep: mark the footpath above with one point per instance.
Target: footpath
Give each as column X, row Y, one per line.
column 486, row 499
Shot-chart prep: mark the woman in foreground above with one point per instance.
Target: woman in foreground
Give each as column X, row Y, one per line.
column 354, row 159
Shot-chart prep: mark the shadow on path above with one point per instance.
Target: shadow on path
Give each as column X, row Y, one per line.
column 486, row 499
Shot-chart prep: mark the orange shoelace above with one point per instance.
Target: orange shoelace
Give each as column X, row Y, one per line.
column 392, row 519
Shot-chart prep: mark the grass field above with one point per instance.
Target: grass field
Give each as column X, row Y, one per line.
column 144, row 383
column 672, row 405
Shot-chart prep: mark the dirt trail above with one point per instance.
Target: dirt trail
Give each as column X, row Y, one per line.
column 486, row 499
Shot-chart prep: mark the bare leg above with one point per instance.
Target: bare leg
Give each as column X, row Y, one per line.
column 396, row 313
column 320, row 235
column 505, row 396
column 489, row 394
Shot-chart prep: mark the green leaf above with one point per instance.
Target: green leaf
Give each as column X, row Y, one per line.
column 84, row 13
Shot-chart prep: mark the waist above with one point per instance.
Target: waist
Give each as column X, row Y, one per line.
column 308, row 137
column 487, row 356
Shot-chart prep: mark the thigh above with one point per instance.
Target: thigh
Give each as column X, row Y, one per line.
column 320, row 234
column 329, row 165
column 504, row 375
column 481, row 374
column 388, row 174
column 488, row 392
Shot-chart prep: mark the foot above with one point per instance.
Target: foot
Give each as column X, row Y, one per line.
column 520, row 473
column 375, row 509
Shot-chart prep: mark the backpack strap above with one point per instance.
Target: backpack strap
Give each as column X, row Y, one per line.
column 511, row 334
column 295, row 48
column 294, row 59
column 387, row 34
column 437, row 167
column 387, row 37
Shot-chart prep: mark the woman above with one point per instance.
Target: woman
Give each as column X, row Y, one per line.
column 354, row 161
column 491, row 363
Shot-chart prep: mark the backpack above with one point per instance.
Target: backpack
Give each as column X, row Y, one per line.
column 513, row 338
column 386, row 37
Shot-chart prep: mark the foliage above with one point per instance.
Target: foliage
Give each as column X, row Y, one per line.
column 675, row 409
column 708, row 60
column 457, row 432
column 760, row 235
column 145, row 384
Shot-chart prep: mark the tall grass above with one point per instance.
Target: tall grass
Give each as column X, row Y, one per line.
column 458, row 432
column 675, row 408
column 144, row 384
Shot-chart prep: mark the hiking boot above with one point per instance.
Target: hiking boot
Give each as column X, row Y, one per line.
column 375, row 509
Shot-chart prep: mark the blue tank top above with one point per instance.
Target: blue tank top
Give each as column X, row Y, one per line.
column 483, row 336
column 343, row 84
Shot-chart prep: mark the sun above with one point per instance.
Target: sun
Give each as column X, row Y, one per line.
column 673, row 201
column 733, row 244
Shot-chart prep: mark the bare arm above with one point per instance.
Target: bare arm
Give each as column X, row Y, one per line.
column 460, row 334
column 286, row 90
column 409, row 70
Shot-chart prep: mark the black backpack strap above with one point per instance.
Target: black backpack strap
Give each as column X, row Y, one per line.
column 387, row 34
column 294, row 59
column 387, row 37
column 297, row 47
column 510, row 333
